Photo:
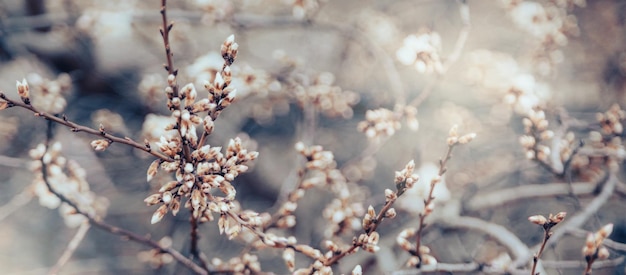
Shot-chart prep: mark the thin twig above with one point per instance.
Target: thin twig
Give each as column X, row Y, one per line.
column 355, row 244
column 75, row 127
column 579, row 219
column 195, row 252
column 13, row 162
column 429, row 199
column 71, row 247
column 17, row 202
column 96, row 221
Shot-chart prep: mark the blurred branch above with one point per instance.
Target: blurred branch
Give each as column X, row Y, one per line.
column 472, row 268
column 501, row 234
column 16, row 203
column 71, row 247
column 523, row 192
column 582, row 264
column 476, row 267
column 13, row 162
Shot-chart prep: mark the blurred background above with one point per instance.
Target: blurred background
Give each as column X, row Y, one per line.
column 105, row 58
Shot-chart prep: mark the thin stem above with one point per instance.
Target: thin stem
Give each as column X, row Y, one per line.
column 355, row 244
column 546, row 237
column 580, row 218
column 422, row 216
column 96, row 221
column 75, row 127
column 165, row 34
column 71, row 247
column 588, row 268
column 195, row 252
column 16, row 203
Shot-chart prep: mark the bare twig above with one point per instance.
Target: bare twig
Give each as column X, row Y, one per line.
column 580, row 264
column 16, row 203
column 71, row 247
column 96, row 221
column 579, row 219
column 75, row 127
column 12, row 162
column 429, row 200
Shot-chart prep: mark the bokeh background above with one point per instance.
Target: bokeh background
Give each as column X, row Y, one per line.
column 113, row 54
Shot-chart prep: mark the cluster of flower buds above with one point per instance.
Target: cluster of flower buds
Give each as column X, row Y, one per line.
column 210, row 169
column 201, row 169
column 343, row 217
column 155, row 257
column 49, row 94
column 317, row 268
column 343, row 212
column 611, row 120
column 607, row 140
column 536, row 131
column 422, row 51
column 549, row 222
column 404, row 241
column 380, row 123
column 66, row 178
column 301, row 9
column 245, row 264
column 549, row 23
column 405, row 179
column 383, row 122
column 369, row 242
column 329, row 100
column 454, row 138
column 593, row 248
